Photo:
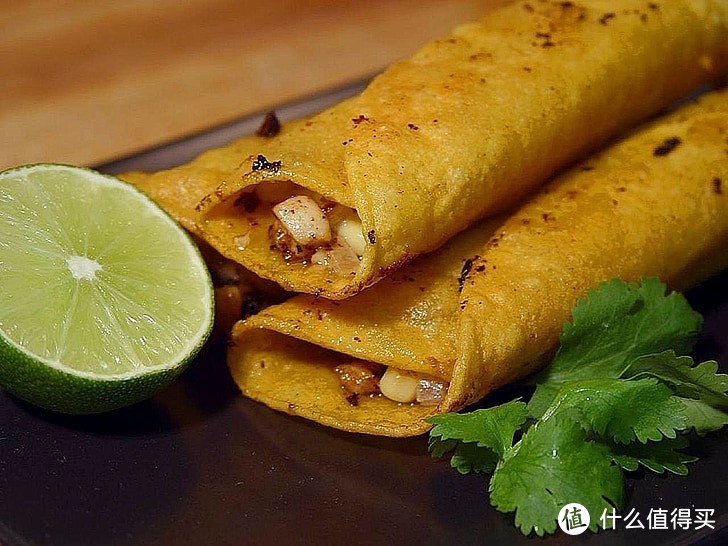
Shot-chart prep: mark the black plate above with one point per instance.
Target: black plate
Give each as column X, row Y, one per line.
column 199, row 464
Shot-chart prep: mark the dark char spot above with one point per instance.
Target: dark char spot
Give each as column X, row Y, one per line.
column 262, row 164
column 667, row 146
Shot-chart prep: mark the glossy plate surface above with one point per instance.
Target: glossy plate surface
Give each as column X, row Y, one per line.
column 199, row 464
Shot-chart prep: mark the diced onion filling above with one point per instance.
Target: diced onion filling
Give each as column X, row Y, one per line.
column 350, row 232
column 308, row 228
column 321, row 233
column 430, row 391
column 304, row 220
column 340, row 258
column 408, row 387
column 365, row 378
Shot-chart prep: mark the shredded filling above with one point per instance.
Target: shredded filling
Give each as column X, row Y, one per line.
column 360, row 378
column 308, row 229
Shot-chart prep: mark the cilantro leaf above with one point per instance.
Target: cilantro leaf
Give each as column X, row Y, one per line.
column 622, row 410
column 699, row 382
column 439, row 447
column 491, row 427
column 655, row 456
column 702, row 417
column 614, row 325
column 543, row 397
column 471, row 457
column 466, row 458
column 620, row 322
column 553, row 464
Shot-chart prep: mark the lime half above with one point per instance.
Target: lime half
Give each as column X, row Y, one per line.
column 103, row 297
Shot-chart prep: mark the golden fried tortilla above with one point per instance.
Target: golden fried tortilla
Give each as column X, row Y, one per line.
column 461, row 130
column 488, row 307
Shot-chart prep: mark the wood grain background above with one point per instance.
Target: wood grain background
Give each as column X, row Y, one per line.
column 88, row 81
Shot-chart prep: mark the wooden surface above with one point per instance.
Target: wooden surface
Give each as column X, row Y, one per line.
column 88, row 81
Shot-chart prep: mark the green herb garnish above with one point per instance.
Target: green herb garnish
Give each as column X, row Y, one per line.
column 619, row 394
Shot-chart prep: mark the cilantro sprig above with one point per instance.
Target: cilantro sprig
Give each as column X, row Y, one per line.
column 620, row 394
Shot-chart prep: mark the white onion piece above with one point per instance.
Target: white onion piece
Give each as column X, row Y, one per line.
column 350, row 231
column 430, row 391
column 340, row 258
column 304, row 220
column 321, row 257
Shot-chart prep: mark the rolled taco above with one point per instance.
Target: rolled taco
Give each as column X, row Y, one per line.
column 488, row 307
column 461, row 130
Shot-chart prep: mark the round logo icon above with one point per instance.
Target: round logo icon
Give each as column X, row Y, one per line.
column 574, row 518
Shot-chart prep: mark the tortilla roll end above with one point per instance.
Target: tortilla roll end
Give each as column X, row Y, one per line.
column 295, row 377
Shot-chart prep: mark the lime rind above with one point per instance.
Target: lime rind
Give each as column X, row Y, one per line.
column 59, row 390
column 111, row 303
